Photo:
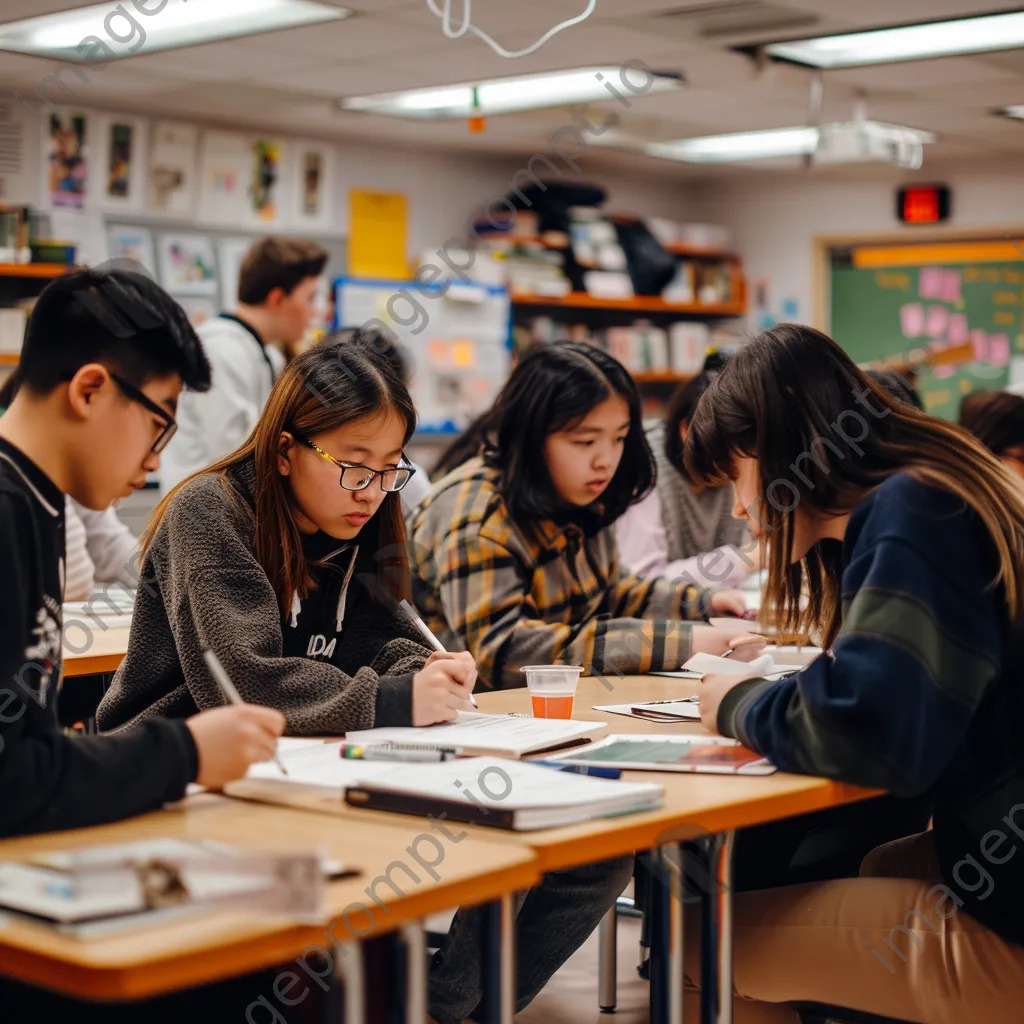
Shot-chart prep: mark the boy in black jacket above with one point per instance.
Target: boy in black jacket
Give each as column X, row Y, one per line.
column 104, row 360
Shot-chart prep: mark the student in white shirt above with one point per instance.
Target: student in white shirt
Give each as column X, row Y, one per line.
column 277, row 298
column 99, row 549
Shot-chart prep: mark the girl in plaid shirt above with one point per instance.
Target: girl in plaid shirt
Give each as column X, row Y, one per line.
column 514, row 555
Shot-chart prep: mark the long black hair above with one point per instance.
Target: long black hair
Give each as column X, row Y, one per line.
column 683, row 405
column 553, row 388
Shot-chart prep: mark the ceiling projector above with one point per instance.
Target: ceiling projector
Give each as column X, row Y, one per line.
column 863, row 141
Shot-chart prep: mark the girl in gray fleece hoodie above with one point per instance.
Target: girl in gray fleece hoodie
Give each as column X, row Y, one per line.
column 291, row 579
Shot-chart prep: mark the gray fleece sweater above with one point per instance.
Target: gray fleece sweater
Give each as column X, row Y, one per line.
column 202, row 587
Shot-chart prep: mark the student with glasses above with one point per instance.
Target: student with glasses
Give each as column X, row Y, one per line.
column 287, row 559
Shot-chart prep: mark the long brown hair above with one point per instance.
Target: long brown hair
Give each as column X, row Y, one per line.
column 825, row 434
column 318, row 391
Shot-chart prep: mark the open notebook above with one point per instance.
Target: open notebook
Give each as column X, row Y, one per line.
column 473, row 733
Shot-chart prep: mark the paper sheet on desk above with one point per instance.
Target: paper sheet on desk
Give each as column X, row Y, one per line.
column 685, row 710
column 765, row 665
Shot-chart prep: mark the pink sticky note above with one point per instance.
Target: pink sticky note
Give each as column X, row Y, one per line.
column 912, row 320
column 951, row 290
column 979, row 339
column 931, row 283
column 999, row 350
column 936, row 322
column 958, row 330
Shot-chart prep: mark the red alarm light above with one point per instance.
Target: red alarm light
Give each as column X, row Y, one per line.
column 923, row 204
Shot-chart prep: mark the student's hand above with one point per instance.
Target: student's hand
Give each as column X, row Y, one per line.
column 441, row 689
column 713, row 688
column 729, row 602
column 463, row 656
column 230, row 739
column 719, row 639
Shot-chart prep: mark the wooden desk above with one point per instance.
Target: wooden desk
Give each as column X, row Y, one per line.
column 95, row 652
column 201, row 949
column 702, row 804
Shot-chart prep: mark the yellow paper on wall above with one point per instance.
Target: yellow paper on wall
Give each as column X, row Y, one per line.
column 376, row 241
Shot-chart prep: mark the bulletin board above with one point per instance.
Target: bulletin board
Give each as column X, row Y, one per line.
column 889, row 300
column 456, row 339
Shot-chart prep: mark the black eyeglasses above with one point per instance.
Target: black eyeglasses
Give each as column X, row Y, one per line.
column 170, row 423
column 357, row 477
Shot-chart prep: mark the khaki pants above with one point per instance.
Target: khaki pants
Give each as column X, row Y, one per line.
column 858, row 943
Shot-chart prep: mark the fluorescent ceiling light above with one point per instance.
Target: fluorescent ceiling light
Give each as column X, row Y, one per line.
column 908, row 42
column 522, row 92
column 727, row 149
column 1015, row 112
column 71, row 35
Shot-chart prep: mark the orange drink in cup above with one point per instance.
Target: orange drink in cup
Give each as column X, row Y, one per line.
column 552, row 689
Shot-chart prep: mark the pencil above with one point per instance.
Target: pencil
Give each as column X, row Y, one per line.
column 231, row 695
column 414, row 617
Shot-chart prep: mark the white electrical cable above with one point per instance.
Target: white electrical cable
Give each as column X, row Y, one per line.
column 446, row 25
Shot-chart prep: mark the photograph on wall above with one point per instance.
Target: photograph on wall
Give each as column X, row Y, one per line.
column 133, row 245
column 312, row 168
column 198, row 309
column 172, row 167
column 187, row 264
column 226, row 178
column 119, row 160
column 67, row 156
column 266, row 177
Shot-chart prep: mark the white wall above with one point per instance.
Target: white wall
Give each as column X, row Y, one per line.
column 774, row 218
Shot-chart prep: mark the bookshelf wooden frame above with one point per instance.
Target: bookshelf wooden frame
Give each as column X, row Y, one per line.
column 637, row 304
column 36, row 270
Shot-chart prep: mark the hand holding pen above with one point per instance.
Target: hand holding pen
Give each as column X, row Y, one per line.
column 439, row 653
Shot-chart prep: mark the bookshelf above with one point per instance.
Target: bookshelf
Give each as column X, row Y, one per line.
column 639, row 304
column 33, row 270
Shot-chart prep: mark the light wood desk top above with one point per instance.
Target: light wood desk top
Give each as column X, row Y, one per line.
column 200, row 949
column 93, row 651
column 695, row 805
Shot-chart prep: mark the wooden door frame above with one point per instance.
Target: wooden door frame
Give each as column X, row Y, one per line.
column 822, row 244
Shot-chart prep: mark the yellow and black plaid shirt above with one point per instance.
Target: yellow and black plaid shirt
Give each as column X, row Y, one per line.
column 551, row 595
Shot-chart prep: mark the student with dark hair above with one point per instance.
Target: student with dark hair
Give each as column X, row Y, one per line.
column 902, row 542
column 681, row 529
column 277, row 289
column 898, row 386
column 996, row 418
column 514, row 557
column 104, row 360
column 379, row 345
column 287, row 559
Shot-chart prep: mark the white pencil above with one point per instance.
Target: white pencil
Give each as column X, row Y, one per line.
column 414, row 618
column 231, row 695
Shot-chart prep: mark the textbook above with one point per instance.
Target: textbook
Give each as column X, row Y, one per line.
column 503, row 794
column 134, row 883
column 474, row 733
column 686, row 709
column 666, row 753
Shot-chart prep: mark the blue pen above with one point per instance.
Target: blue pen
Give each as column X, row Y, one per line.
column 582, row 769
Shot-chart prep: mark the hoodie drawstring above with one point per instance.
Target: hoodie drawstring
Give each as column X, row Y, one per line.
column 344, row 589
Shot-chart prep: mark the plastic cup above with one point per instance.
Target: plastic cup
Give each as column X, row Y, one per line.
column 552, row 689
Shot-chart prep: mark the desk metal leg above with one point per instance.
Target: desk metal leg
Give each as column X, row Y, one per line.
column 499, row 961
column 667, row 935
column 350, row 968
column 716, row 994
column 415, row 939
column 607, row 976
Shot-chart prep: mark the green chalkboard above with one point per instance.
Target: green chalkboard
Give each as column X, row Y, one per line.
column 879, row 312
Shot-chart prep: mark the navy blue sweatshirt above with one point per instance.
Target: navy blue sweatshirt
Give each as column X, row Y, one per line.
column 50, row 781
column 924, row 694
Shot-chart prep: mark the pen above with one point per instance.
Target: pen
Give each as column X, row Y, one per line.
column 414, row 617
column 581, row 769
column 231, row 695
column 383, row 752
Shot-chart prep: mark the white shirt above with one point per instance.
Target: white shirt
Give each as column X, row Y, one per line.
column 99, row 548
column 213, row 424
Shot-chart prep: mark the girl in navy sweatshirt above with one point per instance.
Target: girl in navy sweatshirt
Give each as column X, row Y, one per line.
column 907, row 538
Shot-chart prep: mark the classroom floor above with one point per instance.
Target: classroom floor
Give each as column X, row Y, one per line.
column 571, row 995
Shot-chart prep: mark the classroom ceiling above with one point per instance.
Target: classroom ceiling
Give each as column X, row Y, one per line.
column 291, row 80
